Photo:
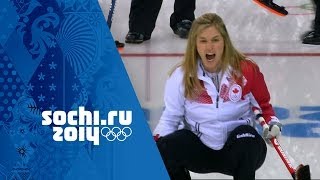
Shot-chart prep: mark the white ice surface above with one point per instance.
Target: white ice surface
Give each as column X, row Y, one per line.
column 292, row 77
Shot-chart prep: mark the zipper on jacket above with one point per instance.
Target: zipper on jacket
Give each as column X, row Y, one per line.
column 218, row 89
column 217, row 100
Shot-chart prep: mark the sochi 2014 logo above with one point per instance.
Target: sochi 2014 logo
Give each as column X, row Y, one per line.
column 84, row 125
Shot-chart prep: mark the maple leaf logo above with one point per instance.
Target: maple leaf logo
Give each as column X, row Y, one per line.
column 235, row 90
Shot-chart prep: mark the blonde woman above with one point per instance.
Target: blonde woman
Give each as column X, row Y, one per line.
column 213, row 92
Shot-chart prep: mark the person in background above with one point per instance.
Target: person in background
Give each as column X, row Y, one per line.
column 213, row 92
column 144, row 13
column 108, row 9
column 313, row 36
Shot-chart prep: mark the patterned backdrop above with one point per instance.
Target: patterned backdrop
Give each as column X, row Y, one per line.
column 59, row 55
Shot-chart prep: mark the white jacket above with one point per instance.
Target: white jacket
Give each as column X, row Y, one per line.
column 214, row 114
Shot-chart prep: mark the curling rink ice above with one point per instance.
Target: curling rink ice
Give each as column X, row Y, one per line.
column 291, row 69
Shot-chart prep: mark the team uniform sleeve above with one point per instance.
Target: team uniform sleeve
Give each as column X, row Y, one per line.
column 173, row 112
column 261, row 95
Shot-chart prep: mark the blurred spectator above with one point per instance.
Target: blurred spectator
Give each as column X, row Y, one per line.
column 108, row 9
column 313, row 36
column 144, row 13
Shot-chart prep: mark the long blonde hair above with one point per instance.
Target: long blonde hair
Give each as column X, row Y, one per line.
column 230, row 57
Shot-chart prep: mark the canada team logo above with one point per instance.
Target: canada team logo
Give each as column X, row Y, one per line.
column 84, row 125
column 235, row 93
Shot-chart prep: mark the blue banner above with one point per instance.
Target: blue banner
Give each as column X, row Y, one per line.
column 67, row 107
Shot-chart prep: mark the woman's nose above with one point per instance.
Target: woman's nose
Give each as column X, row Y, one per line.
column 210, row 46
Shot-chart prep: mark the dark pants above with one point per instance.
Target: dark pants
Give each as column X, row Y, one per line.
column 143, row 14
column 240, row 157
column 317, row 17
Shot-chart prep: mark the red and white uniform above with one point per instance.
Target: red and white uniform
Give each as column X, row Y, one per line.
column 215, row 112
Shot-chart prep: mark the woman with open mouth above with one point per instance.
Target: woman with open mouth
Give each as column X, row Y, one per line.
column 212, row 93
